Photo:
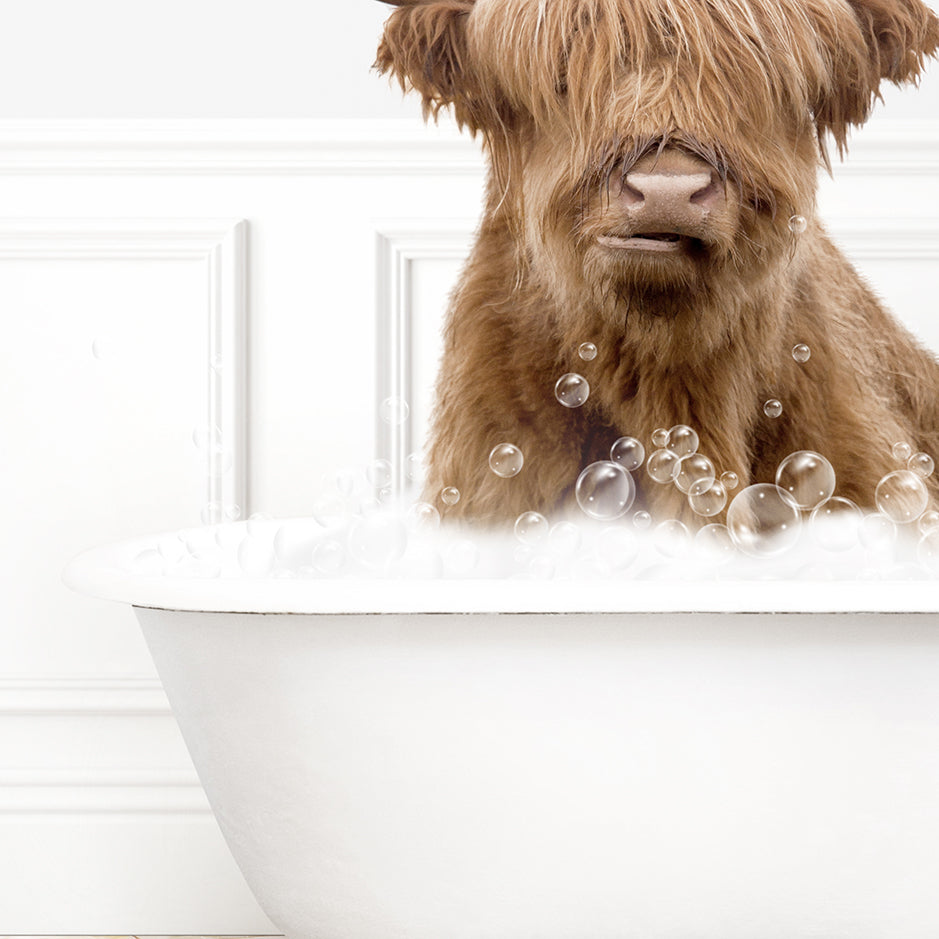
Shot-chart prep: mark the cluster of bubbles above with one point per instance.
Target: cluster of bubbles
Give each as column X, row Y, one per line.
column 371, row 523
column 795, row 527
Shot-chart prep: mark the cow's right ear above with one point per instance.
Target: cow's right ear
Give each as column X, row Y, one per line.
column 425, row 47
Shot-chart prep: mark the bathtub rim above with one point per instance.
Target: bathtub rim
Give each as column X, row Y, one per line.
column 98, row 572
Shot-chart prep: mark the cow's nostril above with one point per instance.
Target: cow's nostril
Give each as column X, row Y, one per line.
column 630, row 195
column 709, row 195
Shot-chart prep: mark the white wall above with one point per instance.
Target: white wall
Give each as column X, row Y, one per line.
column 263, row 262
column 210, row 59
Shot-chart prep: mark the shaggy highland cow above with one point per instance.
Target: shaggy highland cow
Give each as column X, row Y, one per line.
column 652, row 192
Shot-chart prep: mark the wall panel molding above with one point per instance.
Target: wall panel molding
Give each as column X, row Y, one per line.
column 902, row 238
column 388, row 147
column 221, row 245
column 399, row 246
column 91, row 696
column 101, row 792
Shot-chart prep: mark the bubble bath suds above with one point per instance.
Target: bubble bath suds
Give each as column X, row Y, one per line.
column 794, row 528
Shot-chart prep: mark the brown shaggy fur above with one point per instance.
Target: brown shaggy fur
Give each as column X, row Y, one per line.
column 572, row 96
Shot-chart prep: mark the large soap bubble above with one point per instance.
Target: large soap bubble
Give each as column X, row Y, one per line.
column 696, row 474
column 708, row 502
column 663, row 466
column 605, row 490
column 682, row 440
column 628, row 452
column 807, row 477
column 763, row 521
column 506, row 460
column 901, row 496
column 836, row 524
column 572, row 390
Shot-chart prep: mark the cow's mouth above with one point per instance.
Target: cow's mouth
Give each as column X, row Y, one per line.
column 666, row 241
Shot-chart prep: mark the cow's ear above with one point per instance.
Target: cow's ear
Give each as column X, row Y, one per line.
column 885, row 40
column 899, row 34
column 425, row 47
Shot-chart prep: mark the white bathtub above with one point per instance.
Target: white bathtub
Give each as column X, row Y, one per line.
column 525, row 760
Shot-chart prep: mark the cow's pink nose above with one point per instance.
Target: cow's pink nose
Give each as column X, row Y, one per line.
column 671, row 198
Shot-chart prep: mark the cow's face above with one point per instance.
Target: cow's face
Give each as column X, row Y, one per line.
column 643, row 148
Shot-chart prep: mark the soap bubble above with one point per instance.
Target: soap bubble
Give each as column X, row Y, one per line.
column 506, row 460
column 710, row 501
column 715, row 543
column 394, row 410
column 682, row 440
column 928, row 521
column 422, row 516
column 377, row 541
column 901, row 451
column 100, row 348
column 572, row 390
column 901, row 496
column 350, row 482
column 330, row 510
column 604, row 490
column 379, row 473
column 450, row 495
column 927, row 551
column 798, row 224
column 628, row 452
column 663, row 466
column 414, row 468
column 531, row 528
column 564, row 540
column 232, row 512
column 836, row 524
column 695, row 474
column 730, row 480
column 642, row 520
column 877, row 533
column 206, row 437
column 773, row 407
column 801, row 352
column 212, row 513
column 616, row 548
column 763, row 521
column 587, row 351
column 219, row 460
column 808, row 478
column 660, row 437
column 671, row 538
column 922, row 464
column 328, row 557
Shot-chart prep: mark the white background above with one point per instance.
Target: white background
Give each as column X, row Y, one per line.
column 173, row 128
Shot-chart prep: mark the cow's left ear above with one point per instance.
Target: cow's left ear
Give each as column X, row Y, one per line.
column 900, row 34
column 869, row 42
column 425, row 47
